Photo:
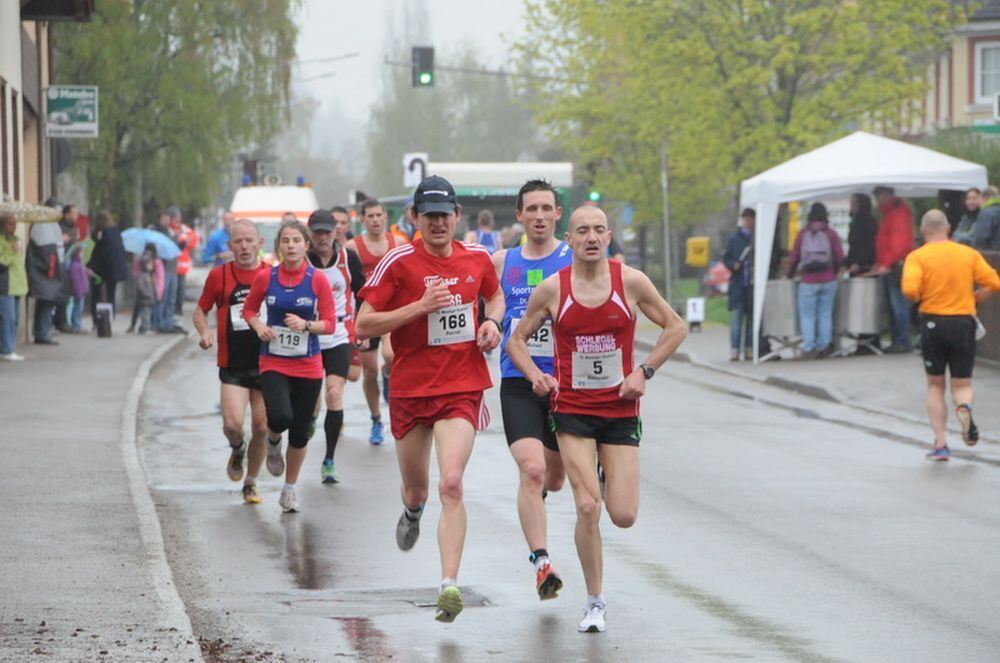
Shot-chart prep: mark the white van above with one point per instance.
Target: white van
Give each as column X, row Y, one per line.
column 265, row 205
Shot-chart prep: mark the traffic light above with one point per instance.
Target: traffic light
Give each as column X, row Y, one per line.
column 594, row 196
column 423, row 66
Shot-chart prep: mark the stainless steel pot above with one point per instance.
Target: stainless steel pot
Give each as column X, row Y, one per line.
column 781, row 309
column 859, row 306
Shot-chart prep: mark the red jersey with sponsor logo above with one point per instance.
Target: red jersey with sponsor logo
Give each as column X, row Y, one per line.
column 593, row 350
column 437, row 353
column 369, row 261
column 226, row 287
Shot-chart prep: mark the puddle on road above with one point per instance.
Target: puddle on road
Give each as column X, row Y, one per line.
column 368, row 641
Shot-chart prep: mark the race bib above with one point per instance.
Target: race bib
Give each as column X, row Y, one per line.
column 597, row 370
column 289, row 343
column 236, row 320
column 454, row 324
column 540, row 343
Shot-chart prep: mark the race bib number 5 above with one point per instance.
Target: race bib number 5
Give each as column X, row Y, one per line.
column 597, row 370
column 540, row 343
column 454, row 324
column 289, row 343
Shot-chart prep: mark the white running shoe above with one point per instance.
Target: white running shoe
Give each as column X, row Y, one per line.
column 275, row 461
column 13, row 356
column 289, row 502
column 593, row 618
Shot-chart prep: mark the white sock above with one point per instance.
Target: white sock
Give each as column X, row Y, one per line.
column 540, row 562
column 289, row 485
column 446, row 582
column 596, row 600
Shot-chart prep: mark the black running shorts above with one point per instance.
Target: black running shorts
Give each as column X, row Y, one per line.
column 373, row 344
column 337, row 360
column 948, row 341
column 525, row 413
column 248, row 378
column 606, row 430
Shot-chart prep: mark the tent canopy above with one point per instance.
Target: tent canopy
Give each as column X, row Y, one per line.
column 855, row 163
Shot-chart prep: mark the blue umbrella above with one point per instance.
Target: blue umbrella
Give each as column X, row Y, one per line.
column 136, row 239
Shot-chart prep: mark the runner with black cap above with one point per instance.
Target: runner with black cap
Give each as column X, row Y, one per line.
column 238, row 353
column 425, row 294
column 327, row 255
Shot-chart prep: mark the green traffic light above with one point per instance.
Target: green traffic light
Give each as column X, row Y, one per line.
column 426, row 77
column 595, row 196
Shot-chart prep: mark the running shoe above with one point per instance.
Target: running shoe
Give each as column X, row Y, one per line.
column 970, row 432
column 289, row 501
column 385, row 387
column 939, row 454
column 593, row 618
column 13, row 356
column 547, row 582
column 250, row 494
column 449, row 604
column 378, row 434
column 275, row 461
column 329, row 472
column 234, row 468
column 407, row 531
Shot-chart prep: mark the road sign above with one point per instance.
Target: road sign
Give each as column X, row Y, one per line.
column 71, row 111
column 414, row 168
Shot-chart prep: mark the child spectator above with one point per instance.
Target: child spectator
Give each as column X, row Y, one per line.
column 149, row 279
column 79, row 281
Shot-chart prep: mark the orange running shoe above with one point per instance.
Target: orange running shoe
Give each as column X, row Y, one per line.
column 548, row 583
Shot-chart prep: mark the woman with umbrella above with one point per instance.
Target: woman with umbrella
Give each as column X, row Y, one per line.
column 107, row 262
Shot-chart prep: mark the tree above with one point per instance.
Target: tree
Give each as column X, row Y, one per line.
column 731, row 86
column 184, row 85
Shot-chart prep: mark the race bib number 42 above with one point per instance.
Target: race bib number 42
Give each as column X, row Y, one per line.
column 454, row 324
column 597, row 370
column 540, row 343
column 289, row 343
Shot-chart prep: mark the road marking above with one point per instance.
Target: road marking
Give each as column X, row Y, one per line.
column 175, row 615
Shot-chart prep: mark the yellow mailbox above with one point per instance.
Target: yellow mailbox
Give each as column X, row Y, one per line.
column 697, row 252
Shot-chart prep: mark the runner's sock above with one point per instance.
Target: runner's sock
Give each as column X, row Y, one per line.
column 288, row 485
column 332, row 424
column 446, row 582
column 539, row 558
column 376, row 418
column 596, row 600
column 273, row 443
column 413, row 513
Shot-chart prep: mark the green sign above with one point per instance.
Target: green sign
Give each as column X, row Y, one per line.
column 71, row 111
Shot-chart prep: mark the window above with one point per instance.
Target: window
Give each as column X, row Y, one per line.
column 987, row 71
column 3, row 137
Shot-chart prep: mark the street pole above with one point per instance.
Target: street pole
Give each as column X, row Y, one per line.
column 665, row 185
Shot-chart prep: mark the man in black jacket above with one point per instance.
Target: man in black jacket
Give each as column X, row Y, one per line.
column 738, row 258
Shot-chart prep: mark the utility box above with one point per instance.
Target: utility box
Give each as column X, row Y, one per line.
column 697, row 251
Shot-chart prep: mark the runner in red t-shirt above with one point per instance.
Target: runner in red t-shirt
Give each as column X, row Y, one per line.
column 596, row 390
column 371, row 248
column 239, row 351
column 425, row 294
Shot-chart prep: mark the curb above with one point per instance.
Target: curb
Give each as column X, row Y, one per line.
column 819, row 392
column 175, row 614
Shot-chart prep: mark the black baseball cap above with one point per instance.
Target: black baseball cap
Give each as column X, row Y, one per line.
column 321, row 219
column 435, row 194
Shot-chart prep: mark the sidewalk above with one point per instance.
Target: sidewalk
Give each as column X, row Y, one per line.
column 893, row 384
column 82, row 570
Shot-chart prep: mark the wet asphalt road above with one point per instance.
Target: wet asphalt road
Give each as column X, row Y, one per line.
column 771, row 527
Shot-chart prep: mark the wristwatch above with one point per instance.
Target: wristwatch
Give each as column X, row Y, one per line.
column 647, row 370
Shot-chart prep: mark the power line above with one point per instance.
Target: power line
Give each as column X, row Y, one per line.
column 334, row 58
column 500, row 73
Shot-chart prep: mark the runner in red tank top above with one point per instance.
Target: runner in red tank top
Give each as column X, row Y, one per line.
column 595, row 392
column 371, row 248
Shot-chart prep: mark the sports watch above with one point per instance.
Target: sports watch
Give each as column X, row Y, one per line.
column 647, row 370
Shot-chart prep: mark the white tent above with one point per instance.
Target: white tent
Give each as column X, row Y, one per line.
column 853, row 164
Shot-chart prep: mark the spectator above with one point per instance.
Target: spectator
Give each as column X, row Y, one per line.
column 973, row 205
column 819, row 254
column 893, row 242
column 13, row 286
column 986, row 229
column 861, row 235
column 187, row 239
column 107, row 261
column 217, row 247
column 738, row 259
column 163, row 314
column 148, row 273
column 44, row 267
column 79, row 282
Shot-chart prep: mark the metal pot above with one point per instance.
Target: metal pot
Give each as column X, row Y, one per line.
column 781, row 310
column 858, row 310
